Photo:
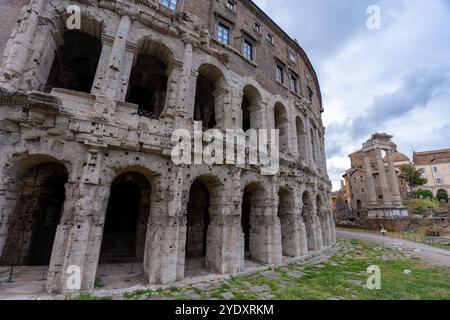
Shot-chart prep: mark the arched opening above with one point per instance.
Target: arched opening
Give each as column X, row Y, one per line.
column 37, row 214
column 197, row 226
column 307, row 216
column 148, row 80
column 314, row 145
column 209, row 96
column 251, row 105
column 252, row 205
column 286, row 216
column 442, row 195
column 75, row 63
column 148, row 86
column 126, row 221
column 282, row 124
column 301, row 139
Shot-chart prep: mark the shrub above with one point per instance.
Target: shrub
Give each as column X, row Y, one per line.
column 423, row 194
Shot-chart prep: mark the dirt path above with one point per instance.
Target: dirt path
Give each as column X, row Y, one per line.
column 432, row 254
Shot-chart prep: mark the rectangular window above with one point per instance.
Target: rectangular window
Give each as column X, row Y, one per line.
column 292, row 56
column 270, row 39
column 223, row 34
column 231, row 5
column 294, row 84
column 257, row 27
column 422, row 170
column 435, row 169
column 171, row 4
column 280, row 74
column 248, row 50
column 439, row 181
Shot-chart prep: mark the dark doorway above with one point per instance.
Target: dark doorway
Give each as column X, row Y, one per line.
column 246, row 114
column 197, row 225
column 36, row 216
column 75, row 63
column 245, row 221
column 126, row 220
column 148, row 85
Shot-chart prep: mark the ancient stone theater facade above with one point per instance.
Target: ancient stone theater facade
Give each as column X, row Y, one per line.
column 86, row 117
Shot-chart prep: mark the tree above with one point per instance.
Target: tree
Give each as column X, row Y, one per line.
column 442, row 195
column 424, row 194
column 412, row 175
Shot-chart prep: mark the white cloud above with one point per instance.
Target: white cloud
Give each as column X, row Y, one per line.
column 373, row 74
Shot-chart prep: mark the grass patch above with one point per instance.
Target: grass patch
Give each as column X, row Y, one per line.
column 344, row 277
column 421, row 205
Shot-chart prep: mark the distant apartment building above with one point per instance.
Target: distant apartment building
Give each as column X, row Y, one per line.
column 435, row 167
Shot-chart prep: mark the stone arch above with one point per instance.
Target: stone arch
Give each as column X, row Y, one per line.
column 76, row 54
column 126, row 219
column 260, row 226
column 302, row 139
column 282, row 124
column 251, row 108
column 202, row 203
column 40, row 182
column 210, row 96
column 148, row 85
column 201, row 209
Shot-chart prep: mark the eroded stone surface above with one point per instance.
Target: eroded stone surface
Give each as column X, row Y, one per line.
column 108, row 145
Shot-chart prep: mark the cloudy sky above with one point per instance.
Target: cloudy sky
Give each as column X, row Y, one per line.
column 395, row 79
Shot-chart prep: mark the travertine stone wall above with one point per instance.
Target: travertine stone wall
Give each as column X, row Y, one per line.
column 98, row 136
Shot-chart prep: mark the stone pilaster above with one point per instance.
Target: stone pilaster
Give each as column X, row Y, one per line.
column 78, row 237
column 111, row 82
column 309, row 144
column 185, row 102
column 19, row 48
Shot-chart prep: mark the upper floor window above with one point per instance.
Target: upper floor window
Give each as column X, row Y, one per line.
column 171, row 4
column 258, row 27
column 435, row 169
column 422, row 170
column 280, row 74
column 270, row 38
column 310, row 94
column 292, row 56
column 439, row 181
column 223, row 33
column 248, row 49
column 231, row 5
column 294, row 84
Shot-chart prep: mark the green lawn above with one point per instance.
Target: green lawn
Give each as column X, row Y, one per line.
column 342, row 277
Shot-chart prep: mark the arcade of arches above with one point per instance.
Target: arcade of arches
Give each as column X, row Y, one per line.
column 99, row 187
column 214, row 239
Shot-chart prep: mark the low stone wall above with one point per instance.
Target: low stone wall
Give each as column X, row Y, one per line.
column 395, row 225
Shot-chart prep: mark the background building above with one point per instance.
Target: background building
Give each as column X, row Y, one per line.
column 374, row 187
column 435, row 167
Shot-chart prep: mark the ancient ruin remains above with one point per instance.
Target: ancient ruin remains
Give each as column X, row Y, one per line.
column 86, row 118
